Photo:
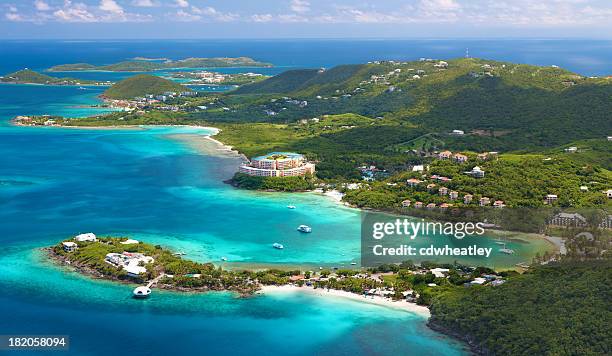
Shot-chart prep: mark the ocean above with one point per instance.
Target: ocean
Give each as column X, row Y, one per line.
column 156, row 184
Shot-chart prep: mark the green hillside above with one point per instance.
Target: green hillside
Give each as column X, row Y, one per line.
column 28, row 76
column 559, row 309
column 285, row 82
column 142, row 84
column 499, row 105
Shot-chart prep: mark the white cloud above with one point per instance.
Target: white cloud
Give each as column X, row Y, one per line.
column 144, row 3
column 184, row 16
column 214, row 14
column 300, row 6
column 77, row 12
column 181, row 3
column 262, row 17
column 40, row 5
column 110, row 6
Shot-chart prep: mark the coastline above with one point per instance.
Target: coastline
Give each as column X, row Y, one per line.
column 334, row 293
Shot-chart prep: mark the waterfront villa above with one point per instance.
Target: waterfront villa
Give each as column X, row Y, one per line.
column 132, row 263
column 88, row 237
column 278, row 164
column 69, row 246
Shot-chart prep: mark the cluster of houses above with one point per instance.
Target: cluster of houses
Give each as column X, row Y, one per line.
column 311, row 279
column 151, row 100
column 132, row 263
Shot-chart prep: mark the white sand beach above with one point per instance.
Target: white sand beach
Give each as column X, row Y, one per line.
column 377, row 300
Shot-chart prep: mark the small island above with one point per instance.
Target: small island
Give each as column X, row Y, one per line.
column 28, row 76
column 152, row 65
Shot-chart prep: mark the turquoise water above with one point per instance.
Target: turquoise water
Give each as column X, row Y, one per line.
column 57, row 182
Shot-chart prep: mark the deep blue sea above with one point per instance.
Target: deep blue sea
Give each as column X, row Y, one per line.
column 164, row 186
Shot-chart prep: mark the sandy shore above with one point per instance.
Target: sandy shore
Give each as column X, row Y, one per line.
column 377, row 300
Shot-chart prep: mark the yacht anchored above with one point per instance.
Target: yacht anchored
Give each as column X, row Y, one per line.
column 505, row 250
column 278, row 246
column 304, row 228
column 290, row 206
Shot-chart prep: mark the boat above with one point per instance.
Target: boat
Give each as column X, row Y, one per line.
column 290, row 206
column 82, row 88
column 223, row 258
column 304, row 228
column 353, row 263
column 507, row 251
column 141, row 292
column 278, row 246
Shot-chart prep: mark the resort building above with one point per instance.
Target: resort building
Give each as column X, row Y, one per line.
column 484, row 201
column 453, row 195
column 406, row 203
column 443, row 191
column 278, row 164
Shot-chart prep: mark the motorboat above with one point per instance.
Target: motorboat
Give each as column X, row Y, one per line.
column 290, row 206
column 141, row 292
column 304, row 228
column 278, row 246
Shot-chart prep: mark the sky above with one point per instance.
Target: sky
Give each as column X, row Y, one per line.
column 140, row 19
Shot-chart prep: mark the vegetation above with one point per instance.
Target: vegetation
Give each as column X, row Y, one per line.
column 286, row 184
column 27, row 76
column 147, row 66
column 141, row 85
column 556, row 309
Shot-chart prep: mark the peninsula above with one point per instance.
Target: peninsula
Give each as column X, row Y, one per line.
column 487, row 309
column 151, row 65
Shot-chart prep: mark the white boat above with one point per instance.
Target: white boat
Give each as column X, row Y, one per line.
column 82, row 88
column 353, row 263
column 507, row 251
column 304, row 228
column 278, row 246
column 223, row 258
column 290, row 206
column 141, row 292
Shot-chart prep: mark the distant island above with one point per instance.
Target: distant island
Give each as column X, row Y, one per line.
column 141, row 85
column 28, row 76
column 148, row 65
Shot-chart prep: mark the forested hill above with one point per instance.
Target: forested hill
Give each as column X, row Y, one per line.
column 498, row 105
column 141, row 85
column 559, row 309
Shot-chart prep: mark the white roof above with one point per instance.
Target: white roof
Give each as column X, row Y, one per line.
column 86, row 237
column 129, row 242
column 134, row 268
column 479, row 280
column 69, row 243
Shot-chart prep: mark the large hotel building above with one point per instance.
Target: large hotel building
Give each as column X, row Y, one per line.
column 278, row 164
